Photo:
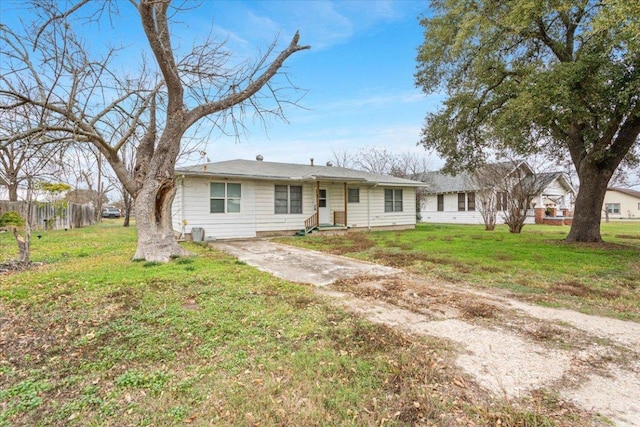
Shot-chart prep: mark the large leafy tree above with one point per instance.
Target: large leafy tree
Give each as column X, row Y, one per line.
column 560, row 77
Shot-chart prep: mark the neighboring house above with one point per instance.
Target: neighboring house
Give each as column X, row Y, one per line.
column 457, row 199
column 245, row 198
column 621, row 203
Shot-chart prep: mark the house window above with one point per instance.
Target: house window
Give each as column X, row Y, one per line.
column 471, row 201
column 613, row 208
column 440, row 202
column 354, row 195
column 322, row 198
column 501, row 201
column 392, row 200
column 288, row 199
column 461, row 204
column 224, row 197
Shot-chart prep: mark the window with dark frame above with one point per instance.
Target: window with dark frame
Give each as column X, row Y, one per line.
column 471, row 201
column 461, row 202
column 393, row 200
column 288, row 199
column 224, row 197
column 440, row 202
column 295, row 199
column 322, row 198
column 353, row 195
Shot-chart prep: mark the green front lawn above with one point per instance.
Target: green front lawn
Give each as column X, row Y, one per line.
column 90, row 338
column 536, row 264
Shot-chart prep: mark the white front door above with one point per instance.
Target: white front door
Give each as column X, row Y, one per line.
column 323, row 206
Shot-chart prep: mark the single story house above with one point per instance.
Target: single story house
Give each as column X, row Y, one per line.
column 246, row 198
column 457, row 198
column 621, row 203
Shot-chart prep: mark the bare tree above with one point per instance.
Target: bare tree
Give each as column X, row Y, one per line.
column 343, row 158
column 85, row 167
column 67, row 83
column 25, row 158
column 413, row 166
column 381, row 161
column 486, row 197
column 507, row 187
column 375, row 160
column 522, row 188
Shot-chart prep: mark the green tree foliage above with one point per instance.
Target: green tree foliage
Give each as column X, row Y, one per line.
column 54, row 188
column 528, row 76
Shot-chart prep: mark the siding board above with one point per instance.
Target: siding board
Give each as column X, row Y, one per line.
column 257, row 209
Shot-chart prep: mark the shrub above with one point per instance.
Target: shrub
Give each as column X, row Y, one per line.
column 11, row 218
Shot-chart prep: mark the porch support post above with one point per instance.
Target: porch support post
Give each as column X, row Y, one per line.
column 345, row 204
column 318, row 203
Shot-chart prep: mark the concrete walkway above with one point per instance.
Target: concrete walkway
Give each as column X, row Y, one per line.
column 300, row 265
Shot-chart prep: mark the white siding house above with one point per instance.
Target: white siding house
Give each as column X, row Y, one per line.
column 621, row 203
column 457, row 199
column 244, row 199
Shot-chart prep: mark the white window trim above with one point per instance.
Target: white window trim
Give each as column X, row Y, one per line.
column 289, row 199
column 393, row 200
column 226, row 198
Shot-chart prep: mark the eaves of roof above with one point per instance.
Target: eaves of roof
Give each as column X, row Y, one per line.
column 244, row 169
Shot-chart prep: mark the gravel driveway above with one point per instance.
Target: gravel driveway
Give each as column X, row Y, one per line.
column 509, row 347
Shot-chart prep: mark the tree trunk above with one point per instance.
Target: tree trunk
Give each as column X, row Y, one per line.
column 126, row 198
column 587, row 217
column 23, row 245
column 156, row 240
column 13, row 190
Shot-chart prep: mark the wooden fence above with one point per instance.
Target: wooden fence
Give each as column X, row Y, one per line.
column 48, row 216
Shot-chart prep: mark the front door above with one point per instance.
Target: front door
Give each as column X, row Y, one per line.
column 323, row 206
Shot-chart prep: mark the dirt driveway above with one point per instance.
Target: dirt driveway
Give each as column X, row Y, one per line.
column 509, row 347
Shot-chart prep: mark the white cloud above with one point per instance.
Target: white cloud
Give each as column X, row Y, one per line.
column 382, row 100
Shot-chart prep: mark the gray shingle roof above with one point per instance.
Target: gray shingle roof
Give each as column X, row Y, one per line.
column 439, row 182
column 261, row 170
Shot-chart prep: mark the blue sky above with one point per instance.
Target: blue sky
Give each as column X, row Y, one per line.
column 358, row 73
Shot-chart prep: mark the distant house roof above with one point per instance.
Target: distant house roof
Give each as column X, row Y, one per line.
column 444, row 183
column 545, row 179
column 464, row 182
column 627, row 191
column 260, row 170
column 440, row 182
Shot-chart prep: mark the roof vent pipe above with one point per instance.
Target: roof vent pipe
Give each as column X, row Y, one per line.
column 329, row 163
column 311, row 159
column 259, row 157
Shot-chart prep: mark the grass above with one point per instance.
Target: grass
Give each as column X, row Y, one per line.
column 90, row 338
column 536, row 264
